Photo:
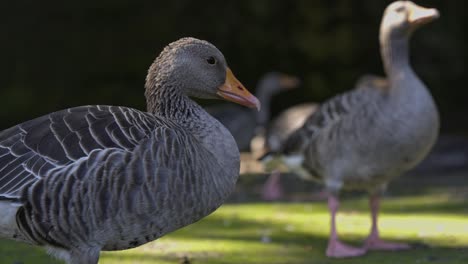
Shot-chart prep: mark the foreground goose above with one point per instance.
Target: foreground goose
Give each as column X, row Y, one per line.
column 242, row 123
column 95, row 178
column 364, row 138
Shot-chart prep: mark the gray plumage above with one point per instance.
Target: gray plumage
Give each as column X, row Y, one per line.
column 294, row 117
column 95, row 178
column 244, row 123
column 363, row 138
column 272, row 140
column 286, row 123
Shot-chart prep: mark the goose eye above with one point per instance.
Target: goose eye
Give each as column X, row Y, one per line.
column 211, row 60
column 400, row 9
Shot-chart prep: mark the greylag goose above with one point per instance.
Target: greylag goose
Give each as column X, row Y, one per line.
column 95, row 178
column 287, row 122
column 364, row 138
column 275, row 135
column 243, row 123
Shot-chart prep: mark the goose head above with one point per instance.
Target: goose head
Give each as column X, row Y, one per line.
column 275, row 82
column 269, row 85
column 401, row 18
column 198, row 69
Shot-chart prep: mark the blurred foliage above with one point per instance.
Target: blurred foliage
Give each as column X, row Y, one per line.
column 58, row 54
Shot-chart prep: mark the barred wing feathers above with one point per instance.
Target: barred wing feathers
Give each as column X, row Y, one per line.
column 335, row 113
column 31, row 150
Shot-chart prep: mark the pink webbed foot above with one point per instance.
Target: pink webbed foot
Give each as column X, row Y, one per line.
column 373, row 241
column 337, row 249
column 379, row 244
column 272, row 189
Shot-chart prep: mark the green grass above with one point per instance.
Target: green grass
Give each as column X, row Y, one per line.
column 436, row 224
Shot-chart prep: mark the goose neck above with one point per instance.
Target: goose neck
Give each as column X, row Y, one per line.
column 264, row 95
column 167, row 100
column 395, row 54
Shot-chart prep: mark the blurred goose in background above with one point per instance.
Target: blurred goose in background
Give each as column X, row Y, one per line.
column 95, row 178
column 285, row 123
column 364, row 138
column 273, row 138
column 244, row 124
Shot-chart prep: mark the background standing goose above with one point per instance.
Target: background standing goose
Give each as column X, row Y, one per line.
column 95, row 178
column 243, row 123
column 364, row 138
column 275, row 135
column 287, row 122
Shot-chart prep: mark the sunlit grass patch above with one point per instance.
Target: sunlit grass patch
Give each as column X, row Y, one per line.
column 297, row 233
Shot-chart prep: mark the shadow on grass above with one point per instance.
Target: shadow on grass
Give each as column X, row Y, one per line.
column 286, row 247
column 434, row 255
column 18, row 253
column 214, row 228
column 296, row 246
column 269, row 240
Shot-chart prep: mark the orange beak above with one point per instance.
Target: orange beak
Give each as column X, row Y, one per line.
column 419, row 15
column 233, row 90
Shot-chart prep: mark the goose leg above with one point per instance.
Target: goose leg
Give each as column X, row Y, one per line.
column 373, row 241
column 336, row 248
column 272, row 189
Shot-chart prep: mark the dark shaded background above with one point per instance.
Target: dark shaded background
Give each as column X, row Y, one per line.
column 55, row 55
